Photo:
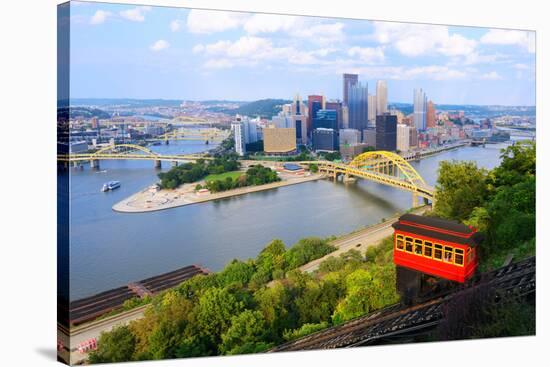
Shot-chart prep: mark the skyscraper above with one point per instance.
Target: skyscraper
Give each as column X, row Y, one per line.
column 299, row 113
column 403, row 137
column 381, row 97
column 372, row 109
column 336, row 106
column 430, row 118
column 419, row 109
column 386, row 132
column 326, row 119
column 348, row 80
column 239, row 135
column 358, row 97
column 313, row 110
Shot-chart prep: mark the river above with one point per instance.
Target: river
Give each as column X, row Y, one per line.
column 109, row 249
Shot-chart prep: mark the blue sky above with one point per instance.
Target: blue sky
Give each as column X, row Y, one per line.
column 125, row 51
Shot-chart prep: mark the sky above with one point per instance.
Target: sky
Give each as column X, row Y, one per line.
column 126, row 51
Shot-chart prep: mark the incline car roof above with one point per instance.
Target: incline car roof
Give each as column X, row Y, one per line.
column 407, row 223
column 448, row 225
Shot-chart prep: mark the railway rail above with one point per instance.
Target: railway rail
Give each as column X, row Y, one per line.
column 397, row 320
column 90, row 308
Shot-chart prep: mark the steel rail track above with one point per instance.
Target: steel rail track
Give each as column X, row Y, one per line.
column 395, row 320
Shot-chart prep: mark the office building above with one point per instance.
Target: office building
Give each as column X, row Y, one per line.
column 239, row 136
column 403, row 138
column 419, row 109
column 349, row 137
column 358, row 106
column 386, row 132
column 325, row 140
column 381, row 97
column 279, row 140
column 345, row 117
column 348, row 81
column 372, row 109
column 369, row 137
column 430, row 115
column 413, row 137
column 281, row 121
column 299, row 114
column 348, row 152
column 336, row 106
column 314, row 104
column 325, row 118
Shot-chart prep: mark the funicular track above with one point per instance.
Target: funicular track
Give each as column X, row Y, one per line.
column 517, row 278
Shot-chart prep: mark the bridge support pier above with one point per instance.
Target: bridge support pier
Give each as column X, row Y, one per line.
column 174, row 163
column 158, row 164
column 414, row 200
column 94, row 163
column 167, row 142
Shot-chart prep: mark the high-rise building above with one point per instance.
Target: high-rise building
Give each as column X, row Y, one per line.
column 95, row 125
column 348, row 80
column 419, row 109
column 403, row 138
column 326, row 119
column 325, row 140
column 381, row 97
column 386, row 132
column 239, row 136
column 349, row 137
column 358, row 102
column 314, row 104
column 336, row 106
column 282, row 122
column 372, row 109
column 369, row 137
column 413, row 137
column 279, row 140
column 430, row 117
column 345, row 117
column 299, row 114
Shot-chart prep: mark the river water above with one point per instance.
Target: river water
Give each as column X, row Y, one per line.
column 109, row 249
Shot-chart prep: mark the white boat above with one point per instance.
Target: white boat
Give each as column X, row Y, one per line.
column 111, row 185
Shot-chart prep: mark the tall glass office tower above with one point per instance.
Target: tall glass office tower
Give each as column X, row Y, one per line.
column 358, row 102
column 420, row 102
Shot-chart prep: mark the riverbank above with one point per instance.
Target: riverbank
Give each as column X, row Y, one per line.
column 148, row 200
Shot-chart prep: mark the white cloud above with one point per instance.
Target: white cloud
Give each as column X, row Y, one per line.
column 135, row 14
column 524, row 39
column 521, row 66
column 420, row 39
column 99, row 17
column 493, row 75
column 249, row 50
column 159, row 45
column 270, row 23
column 322, row 33
column 211, row 21
column 369, row 55
column 175, row 25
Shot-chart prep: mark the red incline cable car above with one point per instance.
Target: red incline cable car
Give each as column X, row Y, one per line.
column 435, row 246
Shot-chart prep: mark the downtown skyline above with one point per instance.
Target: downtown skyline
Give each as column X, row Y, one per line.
column 125, row 51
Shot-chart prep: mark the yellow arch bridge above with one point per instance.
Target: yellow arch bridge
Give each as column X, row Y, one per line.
column 128, row 151
column 382, row 167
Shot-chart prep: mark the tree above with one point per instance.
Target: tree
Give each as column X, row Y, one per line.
column 518, row 163
column 306, row 250
column 275, row 305
column 248, row 327
column 118, row 345
column 461, row 187
column 313, row 168
column 214, row 311
column 237, row 272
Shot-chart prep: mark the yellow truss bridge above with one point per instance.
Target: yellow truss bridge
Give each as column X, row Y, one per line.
column 211, row 135
column 382, row 167
column 128, row 151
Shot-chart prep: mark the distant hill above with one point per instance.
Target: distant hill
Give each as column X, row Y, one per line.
column 86, row 112
column 265, row 108
column 126, row 102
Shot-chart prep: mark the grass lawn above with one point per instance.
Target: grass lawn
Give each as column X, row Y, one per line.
column 222, row 176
